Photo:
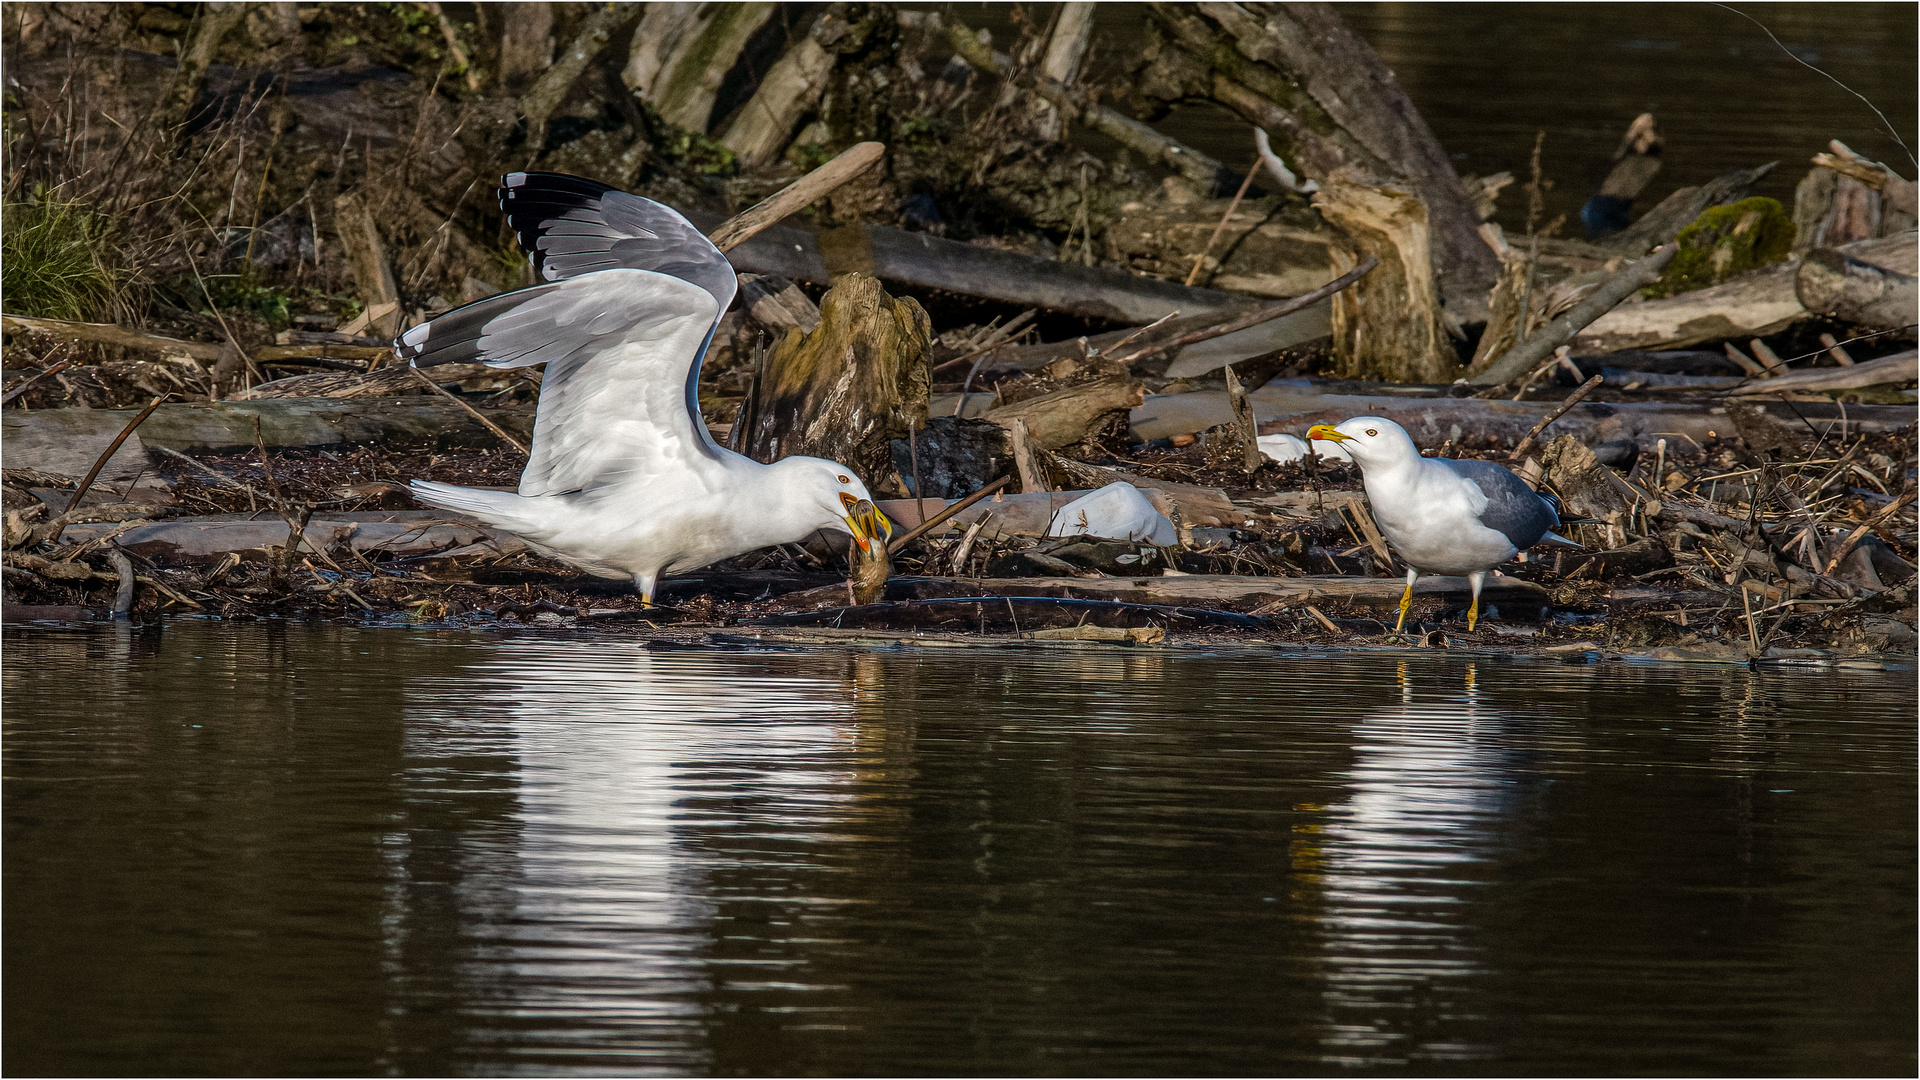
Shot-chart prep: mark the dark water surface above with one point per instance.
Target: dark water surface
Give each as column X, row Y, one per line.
column 1488, row 76
column 276, row 849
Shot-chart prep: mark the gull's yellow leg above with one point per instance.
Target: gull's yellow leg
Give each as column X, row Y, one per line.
column 645, row 583
column 1406, row 599
column 1473, row 609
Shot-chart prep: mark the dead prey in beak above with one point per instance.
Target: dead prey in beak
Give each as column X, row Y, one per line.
column 868, row 565
column 866, row 523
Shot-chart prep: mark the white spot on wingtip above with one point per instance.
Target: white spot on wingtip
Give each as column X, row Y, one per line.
column 514, row 179
column 418, row 335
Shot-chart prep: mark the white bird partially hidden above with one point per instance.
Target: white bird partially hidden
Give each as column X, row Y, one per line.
column 624, row 480
column 1284, row 448
column 1443, row 516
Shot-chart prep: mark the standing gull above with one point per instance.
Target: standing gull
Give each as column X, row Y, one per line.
column 624, row 481
column 1443, row 516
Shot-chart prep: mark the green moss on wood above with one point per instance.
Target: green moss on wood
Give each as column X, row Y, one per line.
column 1725, row 242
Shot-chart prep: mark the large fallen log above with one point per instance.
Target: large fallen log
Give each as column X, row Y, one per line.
column 287, row 423
column 396, row 533
column 931, row 262
column 1755, row 304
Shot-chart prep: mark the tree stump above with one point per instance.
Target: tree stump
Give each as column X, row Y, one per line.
column 844, row 391
column 1387, row 326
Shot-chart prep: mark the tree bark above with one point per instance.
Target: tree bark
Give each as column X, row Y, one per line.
column 548, row 91
column 1387, row 326
column 1834, row 283
column 844, row 391
column 682, row 52
column 526, row 43
column 791, row 90
column 217, row 20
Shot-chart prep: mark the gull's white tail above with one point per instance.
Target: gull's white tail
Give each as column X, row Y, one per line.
column 503, row 509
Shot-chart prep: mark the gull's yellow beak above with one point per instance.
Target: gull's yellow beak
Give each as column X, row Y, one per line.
column 866, row 522
column 1322, row 431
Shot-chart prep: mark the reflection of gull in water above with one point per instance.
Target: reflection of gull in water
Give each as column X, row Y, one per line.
column 1429, row 785
column 596, row 913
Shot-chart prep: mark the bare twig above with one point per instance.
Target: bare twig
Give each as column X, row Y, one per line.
column 994, row 339
column 940, row 518
column 1846, row 546
column 471, row 411
column 797, row 196
column 101, row 462
column 1526, row 444
column 1200, row 260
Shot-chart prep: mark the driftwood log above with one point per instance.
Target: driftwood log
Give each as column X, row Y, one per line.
column 1755, row 304
column 1871, row 283
column 289, row 423
column 848, row 388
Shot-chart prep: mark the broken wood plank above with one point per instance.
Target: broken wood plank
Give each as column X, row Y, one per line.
column 1293, row 405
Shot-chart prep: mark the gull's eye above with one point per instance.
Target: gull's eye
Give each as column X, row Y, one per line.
column 844, row 480
column 1371, row 433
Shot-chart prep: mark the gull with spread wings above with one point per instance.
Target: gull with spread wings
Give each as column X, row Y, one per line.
column 624, row 480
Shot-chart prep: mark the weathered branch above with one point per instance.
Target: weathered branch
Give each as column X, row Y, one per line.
column 1529, row 353
column 798, row 195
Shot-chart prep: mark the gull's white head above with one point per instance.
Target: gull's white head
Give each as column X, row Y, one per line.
column 1374, row 442
column 833, row 498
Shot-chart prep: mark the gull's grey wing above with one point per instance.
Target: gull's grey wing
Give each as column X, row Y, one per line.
column 1513, row 508
column 570, row 226
column 622, row 349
